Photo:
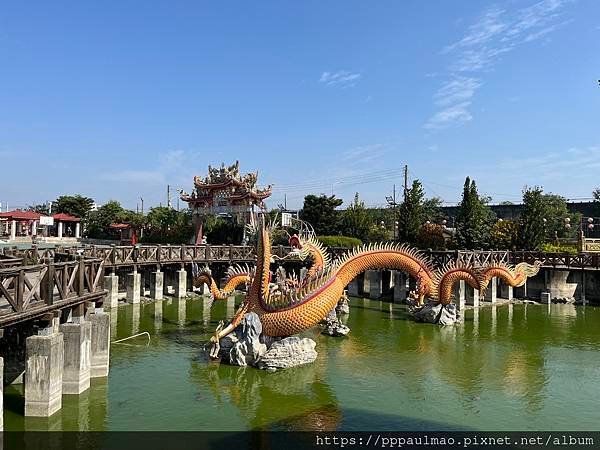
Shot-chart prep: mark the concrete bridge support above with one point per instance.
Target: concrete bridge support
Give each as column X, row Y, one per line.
column 134, row 282
column 100, row 343
column 372, row 284
column 472, row 296
column 111, row 284
column 400, row 288
column 460, row 294
column 506, row 291
column 181, row 284
column 156, row 285
column 491, row 293
column 77, row 337
column 44, row 371
column 353, row 288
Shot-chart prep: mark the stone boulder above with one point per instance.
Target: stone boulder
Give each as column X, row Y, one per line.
column 288, row 352
column 248, row 348
column 333, row 327
column 437, row 313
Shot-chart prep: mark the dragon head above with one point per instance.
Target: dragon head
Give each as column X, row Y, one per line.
column 201, row 275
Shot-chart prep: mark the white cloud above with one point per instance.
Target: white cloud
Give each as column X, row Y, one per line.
column 341, row 78
column 496, row 32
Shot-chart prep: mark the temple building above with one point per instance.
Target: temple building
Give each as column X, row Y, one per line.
column 225, row 192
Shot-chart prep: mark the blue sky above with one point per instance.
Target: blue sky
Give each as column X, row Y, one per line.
column 119, row 99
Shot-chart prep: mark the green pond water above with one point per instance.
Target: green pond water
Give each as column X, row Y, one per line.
column 511, row 367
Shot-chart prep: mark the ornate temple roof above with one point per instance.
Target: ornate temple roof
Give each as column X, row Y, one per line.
column 225, row 186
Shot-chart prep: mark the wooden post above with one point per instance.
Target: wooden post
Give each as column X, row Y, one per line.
column 47, row 288
column 207, row 252
column 81, row 276
column 19, row 291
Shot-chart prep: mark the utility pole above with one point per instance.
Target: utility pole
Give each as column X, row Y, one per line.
column 285, row 201
column 394, row 205
column 168, row 195
column 405, row 180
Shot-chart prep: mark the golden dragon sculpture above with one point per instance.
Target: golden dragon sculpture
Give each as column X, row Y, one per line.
column 302, row 307
column 238, row 275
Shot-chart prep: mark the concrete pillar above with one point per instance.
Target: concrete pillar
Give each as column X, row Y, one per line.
column 77, row 360
column 34, row 228
column 167, row 278
column 181, row 311
column 143, row 276
column 158, row 315
column 400, row 289
column 44, row 373
column 13, row 230
column 78, row 230
column 60, row 229
column 353, row 288
column 135, row 318
column 372, row 284
column 460, row 294
column 472, row 297
column 156, row 285
column 545, row 298
column 1, row 395
column 506, row 291
column 100, row 348
column 111, row 284
column 181, row 284
column 491, row 293
column 134, row 280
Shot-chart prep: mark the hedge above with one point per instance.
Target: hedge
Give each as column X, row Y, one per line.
column 339, row 241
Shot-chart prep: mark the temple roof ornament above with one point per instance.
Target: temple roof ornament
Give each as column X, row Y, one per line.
column 224, row 189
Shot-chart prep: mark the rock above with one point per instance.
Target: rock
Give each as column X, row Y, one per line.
column 449, row 315
column 248, row 349
column 437, row 313
column 564, row 300
column 333, row 327
column 288, row 352
column 343, row 306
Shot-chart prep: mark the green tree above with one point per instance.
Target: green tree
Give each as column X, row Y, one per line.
column 473, row 219
column 74, row 205
column 504, row 235
column 411, row 213
column 356, row 220
column 98, row 222
column 556, row 211
column 320, row 212
column 164, row 225
column 532, row 229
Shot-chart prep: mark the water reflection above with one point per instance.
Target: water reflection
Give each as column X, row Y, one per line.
column 264, row 399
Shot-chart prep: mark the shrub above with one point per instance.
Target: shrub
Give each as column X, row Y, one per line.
column 560, row 248
column 339, row 241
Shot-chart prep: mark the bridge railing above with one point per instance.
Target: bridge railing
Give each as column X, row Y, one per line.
column 30, row 290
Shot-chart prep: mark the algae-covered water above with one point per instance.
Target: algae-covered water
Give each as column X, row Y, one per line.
column 510, row 367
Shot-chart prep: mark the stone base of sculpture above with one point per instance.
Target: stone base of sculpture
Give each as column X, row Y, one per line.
column 436, row 313
column 247, row 346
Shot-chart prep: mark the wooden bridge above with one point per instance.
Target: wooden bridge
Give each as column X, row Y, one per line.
column 117, row 256
column 31, row 291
